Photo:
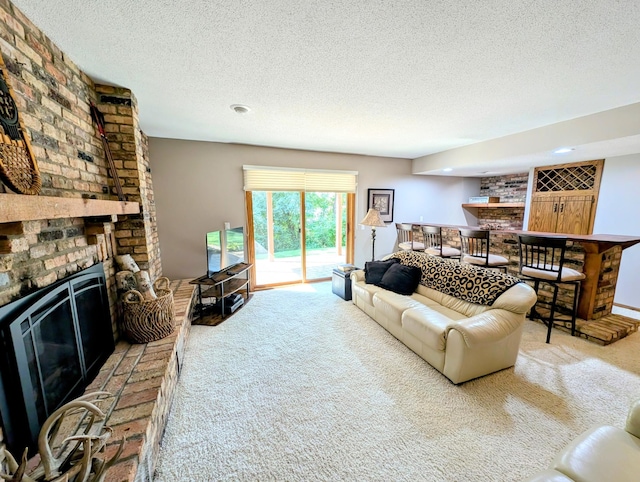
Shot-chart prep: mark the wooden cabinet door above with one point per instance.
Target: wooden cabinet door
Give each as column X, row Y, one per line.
column 543, row 214
column 574, row 214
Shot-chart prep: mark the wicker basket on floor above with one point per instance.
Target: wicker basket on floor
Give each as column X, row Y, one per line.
column 149, row 320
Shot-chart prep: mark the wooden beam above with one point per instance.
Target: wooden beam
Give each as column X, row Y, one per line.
column 351, row 226
column 18, row 207
column 251, row 240
column 493, row 205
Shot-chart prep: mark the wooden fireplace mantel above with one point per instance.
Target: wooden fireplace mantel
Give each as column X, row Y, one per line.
column 20, row 207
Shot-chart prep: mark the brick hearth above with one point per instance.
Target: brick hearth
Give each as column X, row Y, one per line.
column 142, row 379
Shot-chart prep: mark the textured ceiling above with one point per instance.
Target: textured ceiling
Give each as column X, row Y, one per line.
column 387, row 78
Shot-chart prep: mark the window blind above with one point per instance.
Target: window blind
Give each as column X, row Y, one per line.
column 265, row 178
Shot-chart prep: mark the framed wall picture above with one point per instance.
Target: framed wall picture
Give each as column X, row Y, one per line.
column 382, row 201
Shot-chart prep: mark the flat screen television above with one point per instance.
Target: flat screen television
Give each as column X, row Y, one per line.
column 225, row 249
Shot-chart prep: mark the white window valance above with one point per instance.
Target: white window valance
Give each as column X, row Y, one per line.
column 267, row 178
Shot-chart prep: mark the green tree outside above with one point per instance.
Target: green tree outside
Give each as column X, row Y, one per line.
column 320, row 213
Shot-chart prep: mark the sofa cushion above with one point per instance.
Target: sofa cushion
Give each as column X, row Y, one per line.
column 418, row 295
column 430, row 324
column 467, row 282
column 392, row 305
column 365, row 291
column 456, row 304
column 401, row 279
column 375, row 270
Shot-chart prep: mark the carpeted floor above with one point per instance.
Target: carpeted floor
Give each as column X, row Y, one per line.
column 300, row 385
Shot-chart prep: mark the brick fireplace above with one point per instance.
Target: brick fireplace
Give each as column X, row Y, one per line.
column 54, row 342
column 76, row 221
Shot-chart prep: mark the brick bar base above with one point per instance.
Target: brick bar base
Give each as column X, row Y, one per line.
column 603, row 331
column 142, row 379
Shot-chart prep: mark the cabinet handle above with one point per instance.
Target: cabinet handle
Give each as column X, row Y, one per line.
column 555, row 207
column 561, row 207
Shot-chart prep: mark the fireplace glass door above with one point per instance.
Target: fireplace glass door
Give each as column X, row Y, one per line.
column 54, row 342
column 48, row 354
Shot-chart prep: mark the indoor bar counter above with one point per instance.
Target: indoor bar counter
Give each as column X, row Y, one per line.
column 598, row 256
column 602, row 254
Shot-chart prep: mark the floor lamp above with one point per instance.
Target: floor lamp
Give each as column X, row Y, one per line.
column 373, row 219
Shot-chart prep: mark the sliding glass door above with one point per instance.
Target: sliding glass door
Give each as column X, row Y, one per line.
column 277, row 222
column 325, row 233
column 299, row 222
column 297, row 236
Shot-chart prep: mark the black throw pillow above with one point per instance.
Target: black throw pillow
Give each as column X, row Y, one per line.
column 375, row 270
column 401, row 279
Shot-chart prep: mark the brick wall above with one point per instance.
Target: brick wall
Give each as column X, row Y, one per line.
column 53, row 97
column 149, row 208
column 136, row 234
column 607, row 281
column 510, row 188
column 501, row 218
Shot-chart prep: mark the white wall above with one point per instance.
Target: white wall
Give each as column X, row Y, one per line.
column 617, row 213
column 609, row 133
column 198, row 187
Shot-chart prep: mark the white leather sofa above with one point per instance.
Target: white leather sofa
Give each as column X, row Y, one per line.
column 601, row 454
column 461, row 339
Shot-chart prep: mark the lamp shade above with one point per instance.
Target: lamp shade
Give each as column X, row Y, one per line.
column 373, row 219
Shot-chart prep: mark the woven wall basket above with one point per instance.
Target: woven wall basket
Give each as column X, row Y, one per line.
column 149, row 320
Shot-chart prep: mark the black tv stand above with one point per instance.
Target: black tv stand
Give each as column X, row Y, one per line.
column 214, row 289
column 230, row 270
column 233, row 271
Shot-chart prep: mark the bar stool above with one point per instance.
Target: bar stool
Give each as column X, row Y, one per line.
column 406, row 237
column 474, row 245
column 433, row 243
column 542, row 259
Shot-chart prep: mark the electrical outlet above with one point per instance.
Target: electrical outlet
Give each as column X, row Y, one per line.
column 227, row 225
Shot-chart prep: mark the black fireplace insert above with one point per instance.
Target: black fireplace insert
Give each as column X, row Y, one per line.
column 53, row 342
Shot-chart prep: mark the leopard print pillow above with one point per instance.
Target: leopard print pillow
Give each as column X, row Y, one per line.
column 466, row 282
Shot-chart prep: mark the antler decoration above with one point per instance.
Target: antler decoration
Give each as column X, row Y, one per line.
column 18, row 470
column 75, row 458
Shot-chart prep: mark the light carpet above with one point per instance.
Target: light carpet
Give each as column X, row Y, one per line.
column 300, row 385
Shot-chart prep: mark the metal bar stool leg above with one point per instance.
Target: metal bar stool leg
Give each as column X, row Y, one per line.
column 553, row 311
column 533, row 312
column 574, row 314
